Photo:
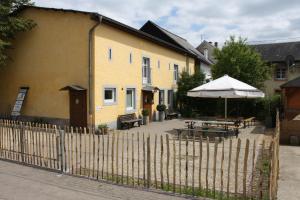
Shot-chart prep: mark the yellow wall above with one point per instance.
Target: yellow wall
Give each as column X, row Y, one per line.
column 119, row 73
column 52, row 55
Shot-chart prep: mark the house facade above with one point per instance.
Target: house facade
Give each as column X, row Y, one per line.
column 285, row 61
column 207, row 49
column 83, row 68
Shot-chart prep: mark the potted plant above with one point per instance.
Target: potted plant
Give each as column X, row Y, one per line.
column 145, row 114
column 161, row 111
column 103, row 128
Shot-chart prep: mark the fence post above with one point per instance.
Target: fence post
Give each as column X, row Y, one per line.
column 148, row 163
column 61, row 149
column 22, row 141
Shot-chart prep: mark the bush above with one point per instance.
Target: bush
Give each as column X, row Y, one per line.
column 161, row 107
column 102, row 126
column 145, row 113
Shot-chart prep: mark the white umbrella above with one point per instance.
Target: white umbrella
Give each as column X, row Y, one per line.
column 226, row 87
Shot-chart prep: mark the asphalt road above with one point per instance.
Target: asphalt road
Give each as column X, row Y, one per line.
column 26, row 183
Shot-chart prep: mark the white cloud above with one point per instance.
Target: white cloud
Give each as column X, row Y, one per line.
column 215, row 20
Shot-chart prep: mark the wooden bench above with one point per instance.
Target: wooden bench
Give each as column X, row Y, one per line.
column 249, row 121
column 171, row 114
column 129, row 120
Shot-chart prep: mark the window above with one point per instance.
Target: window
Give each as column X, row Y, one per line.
column 175, row 73
column 130, row 99
column 169, row 66
column 280, row 74
column 109, row 96
column 109, row 53
column 146, row 71
column 161, row 97
column 130, row 58
column 170, row 98
column 158, row 64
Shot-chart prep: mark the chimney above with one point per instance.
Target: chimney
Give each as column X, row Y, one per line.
column 216, row 44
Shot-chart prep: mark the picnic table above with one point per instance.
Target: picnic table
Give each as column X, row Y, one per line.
column 225, row 124
column 204, row 132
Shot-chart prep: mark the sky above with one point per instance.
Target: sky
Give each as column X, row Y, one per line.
column 260, row 21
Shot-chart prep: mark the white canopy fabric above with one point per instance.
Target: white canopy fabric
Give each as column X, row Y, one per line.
column 226, row 87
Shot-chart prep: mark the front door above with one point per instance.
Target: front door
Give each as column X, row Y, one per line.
column 147, row 102
column 78, row 108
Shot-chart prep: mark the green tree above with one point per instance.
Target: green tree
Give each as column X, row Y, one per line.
column 11, row 23
column 240, row 61
column 187, row 82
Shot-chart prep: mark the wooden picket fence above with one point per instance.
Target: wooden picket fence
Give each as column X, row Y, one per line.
column 223, row 168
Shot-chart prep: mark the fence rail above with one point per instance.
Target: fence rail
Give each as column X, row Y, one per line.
column 220, row 169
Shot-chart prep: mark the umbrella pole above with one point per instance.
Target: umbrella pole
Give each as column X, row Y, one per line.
column 225, row 109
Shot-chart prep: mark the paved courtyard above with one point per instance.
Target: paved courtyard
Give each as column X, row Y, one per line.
column 26, row 183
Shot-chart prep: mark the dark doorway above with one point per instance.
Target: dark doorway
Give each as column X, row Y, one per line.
column 78, row 108
column 147, row 102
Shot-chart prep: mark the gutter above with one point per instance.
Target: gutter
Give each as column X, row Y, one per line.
column 90, row 66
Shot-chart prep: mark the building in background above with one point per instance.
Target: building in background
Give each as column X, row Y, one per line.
column 290, row 124
column 83, row 68
column 285, row 57
column 207, row 49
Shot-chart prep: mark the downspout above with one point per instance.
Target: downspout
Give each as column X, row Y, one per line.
column 90, row 78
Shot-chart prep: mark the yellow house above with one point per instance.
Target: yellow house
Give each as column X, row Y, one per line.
column 84, row 68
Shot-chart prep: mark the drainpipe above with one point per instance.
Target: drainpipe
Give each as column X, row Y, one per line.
column 90, row 78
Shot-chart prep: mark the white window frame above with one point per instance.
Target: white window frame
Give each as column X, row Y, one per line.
column 206, row 53
column 280, row 71
column 176, row 73
column 113, row 100
column 133, row 99
column 146, row 70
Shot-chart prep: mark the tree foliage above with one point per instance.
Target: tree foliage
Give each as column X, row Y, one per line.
column 187, row 82
column 240, row 61
column 11, row 23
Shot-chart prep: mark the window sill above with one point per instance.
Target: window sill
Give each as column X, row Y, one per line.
column 129, row 111
column 109, row 103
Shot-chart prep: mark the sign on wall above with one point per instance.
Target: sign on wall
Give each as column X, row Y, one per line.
column 19, row 102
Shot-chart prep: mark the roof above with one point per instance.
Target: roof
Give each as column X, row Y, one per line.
column 292, row 83
column 157, row 31
column 278, row 52
column 206, row 45
column 106, row 20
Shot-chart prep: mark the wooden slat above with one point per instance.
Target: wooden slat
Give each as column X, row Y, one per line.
column 117, row 157
column 179, row 164
column 127, row 159
column 144, row 161
column 236, row 169
column 222, row 170
column 245, row 169
column 207, row 164
column 229, row 168
column 103, row 156
column 168, row 161
column 193, row 169
column 132, row 158
column 138, row 158
column 98, row 155
column 94, row 151
column 174, row 166
column 107, row 158
column 112, row 156
column 161, row 162
column 122, row 173
column 155, row 151
column 253, row 169
column 200, row 162
column 215, row 166
column 148, row 162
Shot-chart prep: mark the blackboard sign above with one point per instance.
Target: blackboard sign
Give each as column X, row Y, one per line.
column 19, row 101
